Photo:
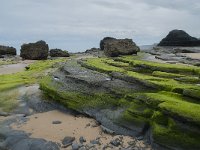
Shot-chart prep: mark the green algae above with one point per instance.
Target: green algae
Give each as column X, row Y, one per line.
column 166, row 74
column 169, row 101
column 175, row 136
column 10, row 82
column 155, row 66
column 76, row 100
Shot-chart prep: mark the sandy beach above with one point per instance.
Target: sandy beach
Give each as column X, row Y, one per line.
column 14, row 68
column 41, row 126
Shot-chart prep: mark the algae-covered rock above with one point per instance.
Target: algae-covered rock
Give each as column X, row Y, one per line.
column 6, row 50
column 194, row 93
column 35, row 51
column 114, row 47
column 58, row 53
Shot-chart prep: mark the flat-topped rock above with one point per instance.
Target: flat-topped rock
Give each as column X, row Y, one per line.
column 6, row 50
column 35, row 51
column 58, row 53
column 114, row 47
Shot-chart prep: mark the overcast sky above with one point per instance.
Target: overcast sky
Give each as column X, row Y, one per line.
column 77, row 25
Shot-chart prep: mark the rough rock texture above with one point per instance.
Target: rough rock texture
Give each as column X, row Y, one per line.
column 6, row 50
column 92, row 50
column 114, row 47
column 58, row 53
column 179, row 38
column 35, row 51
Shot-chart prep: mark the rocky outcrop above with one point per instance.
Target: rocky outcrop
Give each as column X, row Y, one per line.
column 92, row 50
column 35, row 51
column 179, row 38
column 6, row 50
column 114, row 47
column 58, row 53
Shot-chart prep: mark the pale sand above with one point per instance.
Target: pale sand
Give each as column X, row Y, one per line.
column 14, row 68
column 192, row 55
column 40, row 126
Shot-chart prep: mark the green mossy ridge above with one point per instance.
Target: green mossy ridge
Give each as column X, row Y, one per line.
column 99, row 64
column 192, row 92
column 172, row 104
column 188, row 79
column 8, row 100
column 175, row 136
column 116, row 63
column 75, row 100
column 12, row 81
column 32, row 75
column 155, row 66
column 166, row 74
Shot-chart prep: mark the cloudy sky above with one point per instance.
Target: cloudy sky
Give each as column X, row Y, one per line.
column 76, row 25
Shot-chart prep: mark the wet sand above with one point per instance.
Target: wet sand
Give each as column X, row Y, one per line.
column 192, row 55
column 14, row 68
column 40, row 126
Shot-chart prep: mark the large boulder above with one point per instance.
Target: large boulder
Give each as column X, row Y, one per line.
column 114, row 47
column 6, row 50
column 58, row 53
column 179, row 38
column 35, row 51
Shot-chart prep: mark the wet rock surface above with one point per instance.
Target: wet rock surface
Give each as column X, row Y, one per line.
column 186, row 55
column 114, row 47
column 35, row 51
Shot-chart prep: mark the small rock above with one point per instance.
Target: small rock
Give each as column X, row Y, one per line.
column 95, row 142
column 115, row 142
column 82, row 140
column 132, row 143
column 75, row 146
column 4, row 114
column 83, row 148
column 140, row 138
column 89, row 146
column 27, row 67
column 67, row 141
column 106, row 130
column 56, row 122
column 87, row 125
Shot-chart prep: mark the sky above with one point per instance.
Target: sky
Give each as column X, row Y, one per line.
column 77, row 25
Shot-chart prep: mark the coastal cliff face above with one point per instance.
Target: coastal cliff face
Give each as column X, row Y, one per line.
column 179, row 38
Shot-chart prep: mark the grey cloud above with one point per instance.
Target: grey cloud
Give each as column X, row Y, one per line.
column 80, row 24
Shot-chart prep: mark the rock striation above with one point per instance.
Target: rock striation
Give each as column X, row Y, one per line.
column 179, row 38
column 6, row 50
column 113, row 47
column 35, row 51
column 58, row 53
